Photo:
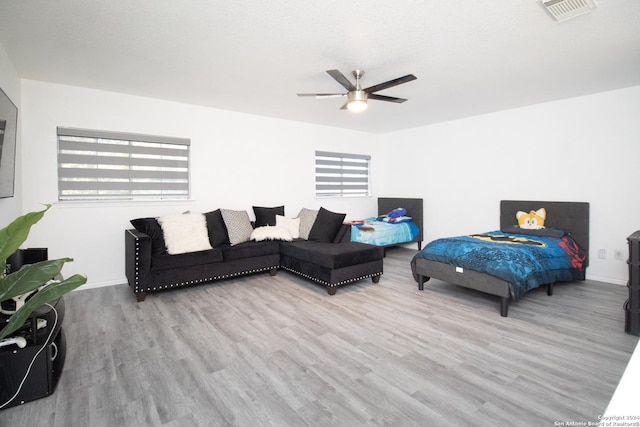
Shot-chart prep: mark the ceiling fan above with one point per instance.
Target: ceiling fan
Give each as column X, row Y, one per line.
column 356, row 96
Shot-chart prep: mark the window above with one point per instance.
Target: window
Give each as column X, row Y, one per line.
column 342, row 175
column 102, row 165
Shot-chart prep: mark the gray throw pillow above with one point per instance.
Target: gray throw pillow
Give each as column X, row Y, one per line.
column 307, row 218
column 238, row 225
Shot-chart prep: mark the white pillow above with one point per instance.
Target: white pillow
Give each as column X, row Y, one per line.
column 291, row 224
column 185, row 233
column 268, row 232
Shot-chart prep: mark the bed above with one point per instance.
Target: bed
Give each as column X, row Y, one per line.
column 558, row 254
column 383, row 231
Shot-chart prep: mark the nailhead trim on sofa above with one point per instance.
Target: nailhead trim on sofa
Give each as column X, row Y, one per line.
column 210, row 279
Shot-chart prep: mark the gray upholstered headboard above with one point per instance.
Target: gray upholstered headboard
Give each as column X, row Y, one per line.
column 413, row 206
column 569, row 216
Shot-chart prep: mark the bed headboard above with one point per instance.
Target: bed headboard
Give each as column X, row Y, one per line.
column 570, row 216
column 413, row 206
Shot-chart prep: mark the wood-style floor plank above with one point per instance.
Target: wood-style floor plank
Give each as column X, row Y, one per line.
column 279, row 351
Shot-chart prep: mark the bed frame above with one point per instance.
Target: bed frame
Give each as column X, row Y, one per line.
column 570, row 216
column 414, row 210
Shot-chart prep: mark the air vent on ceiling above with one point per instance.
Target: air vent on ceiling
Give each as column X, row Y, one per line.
column 562, row 10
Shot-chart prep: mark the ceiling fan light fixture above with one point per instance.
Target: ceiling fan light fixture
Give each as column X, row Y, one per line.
column 357, row 100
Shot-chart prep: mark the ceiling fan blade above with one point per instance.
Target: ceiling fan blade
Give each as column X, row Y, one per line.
column 344, row 107
column 386, row 98
column 390, row 83
column 340, row 78
column 323, row 95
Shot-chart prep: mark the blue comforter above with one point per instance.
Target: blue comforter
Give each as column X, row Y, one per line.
column 381, row 233
column 525, row 261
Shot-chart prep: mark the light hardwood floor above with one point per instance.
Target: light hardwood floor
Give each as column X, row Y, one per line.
column 279, row 351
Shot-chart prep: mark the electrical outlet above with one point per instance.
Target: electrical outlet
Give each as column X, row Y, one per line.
column 602, row 253
column 618, row 254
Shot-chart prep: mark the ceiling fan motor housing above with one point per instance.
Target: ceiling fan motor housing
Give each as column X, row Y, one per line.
column 357, row 96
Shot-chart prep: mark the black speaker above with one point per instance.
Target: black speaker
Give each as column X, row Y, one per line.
column 41, row 379
column 26, row 256
column 33, row 255
column 40, row 363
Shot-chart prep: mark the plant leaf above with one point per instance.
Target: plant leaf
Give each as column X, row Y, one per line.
column 45, row 295
column 14, row 234
column 30, row 277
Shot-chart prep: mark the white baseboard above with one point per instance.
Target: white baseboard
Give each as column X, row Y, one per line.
column 606, row 280
column 91, row 285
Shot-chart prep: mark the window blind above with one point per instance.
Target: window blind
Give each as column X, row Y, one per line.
column 103, row 165
column 341, row 174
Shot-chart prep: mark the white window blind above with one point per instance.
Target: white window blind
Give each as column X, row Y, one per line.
column 342, row 175
column 103, row 165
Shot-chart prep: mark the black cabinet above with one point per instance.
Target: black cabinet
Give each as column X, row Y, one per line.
column 46, row 348
column 632, row 305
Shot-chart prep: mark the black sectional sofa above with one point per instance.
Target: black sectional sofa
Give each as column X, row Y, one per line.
column 323, row 253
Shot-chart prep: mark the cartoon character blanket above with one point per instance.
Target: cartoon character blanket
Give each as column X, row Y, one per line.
column 525, row 261
column 393, row 231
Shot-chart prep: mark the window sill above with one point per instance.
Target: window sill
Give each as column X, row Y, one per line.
column 99, row 204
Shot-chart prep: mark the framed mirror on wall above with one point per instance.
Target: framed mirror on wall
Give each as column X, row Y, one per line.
column 8, row 135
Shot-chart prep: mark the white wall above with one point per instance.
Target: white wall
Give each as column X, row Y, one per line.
column 580, row 149
column 238, row 161
column 10, row 207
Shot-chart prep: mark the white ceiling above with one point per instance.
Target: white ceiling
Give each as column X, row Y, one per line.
column 470, row 57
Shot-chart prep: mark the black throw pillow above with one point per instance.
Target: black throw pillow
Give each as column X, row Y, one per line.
column 326, row 226
column 218, row 234
column 151, row 227
column 267, row 216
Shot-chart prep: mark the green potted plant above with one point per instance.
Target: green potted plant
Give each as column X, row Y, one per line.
column 31, row 276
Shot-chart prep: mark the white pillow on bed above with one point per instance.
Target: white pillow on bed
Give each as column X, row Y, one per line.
column 185, row 233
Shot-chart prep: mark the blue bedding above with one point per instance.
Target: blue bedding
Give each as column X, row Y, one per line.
column 525, row 261
column 382, row 233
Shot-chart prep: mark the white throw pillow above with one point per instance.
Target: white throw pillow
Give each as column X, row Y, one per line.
column 185, row 233
column 291, row 224
column 268, row 232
